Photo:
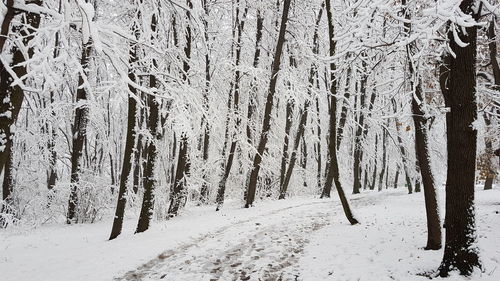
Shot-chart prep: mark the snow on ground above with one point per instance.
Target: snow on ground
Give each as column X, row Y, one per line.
column 388, row 244
column 296, row 239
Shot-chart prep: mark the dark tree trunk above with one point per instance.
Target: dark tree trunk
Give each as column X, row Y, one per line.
column 303, row 160
column 492, row 46
column 343, row 112
column 293, row 156
column 79, row 135
column 396, row 177
column 423, row 158
column 458, row 83
column 11, row 97
column 375, row 163
column 179, row 190
column 128, row 156
column 288, row 126
column 235, row 93
column 333, row 171
column 266, row 125
column 423, row 163
column 178, row 198
column 319, row 170
column 52, row 171
column 303, row 116
column 206, row 127
column 358, row 149
column 7, row 207
column 150, row 180
column 384, row 160
column 252, row 98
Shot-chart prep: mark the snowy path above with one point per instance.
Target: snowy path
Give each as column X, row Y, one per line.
column 263, row 248
column 306, row 239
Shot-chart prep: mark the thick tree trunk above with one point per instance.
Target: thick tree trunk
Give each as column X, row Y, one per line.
column 266, row 125
column 333, row 171
column 11, row 97
column 459, row 90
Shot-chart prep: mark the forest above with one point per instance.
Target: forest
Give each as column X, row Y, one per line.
column 249, row 140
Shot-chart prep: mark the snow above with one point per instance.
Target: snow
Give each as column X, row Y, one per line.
column 294, row 239
column 388, row 245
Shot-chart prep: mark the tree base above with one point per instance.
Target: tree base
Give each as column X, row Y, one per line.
column 463, row 261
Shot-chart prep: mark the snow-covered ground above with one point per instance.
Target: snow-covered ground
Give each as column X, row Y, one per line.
column 296, row 239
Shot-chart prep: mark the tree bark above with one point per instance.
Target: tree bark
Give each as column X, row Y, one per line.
column 358, row 149
column 206, row 127
column 179, row 191
column 343, row 111
column 266, row 125
column 150, row 179
column 333, row 171
column 235, row 93
column 458, row 85
column 492, row 46
column 423, row 161
column 384, row 160
column 128, row 156
column 79, row 134
column 252, row 98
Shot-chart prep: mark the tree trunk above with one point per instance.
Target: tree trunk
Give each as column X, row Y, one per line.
column 150, row 179
column 343, row 112
column 252, row 98
column 423, row 158
column 358, row 149
column 375, row 163
column 333, row 171
column 7, row 207
column 206, row 127
column 266, row 125
column 384, row 160
column 11, row 97
column 288, row 126
column 235, row 92
column 179, row 191
column 423, row 161
column 458, row 86
column 396, row 177
column 128, row 156
column 79, row 135
column 402, row 151
column 492, row 46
